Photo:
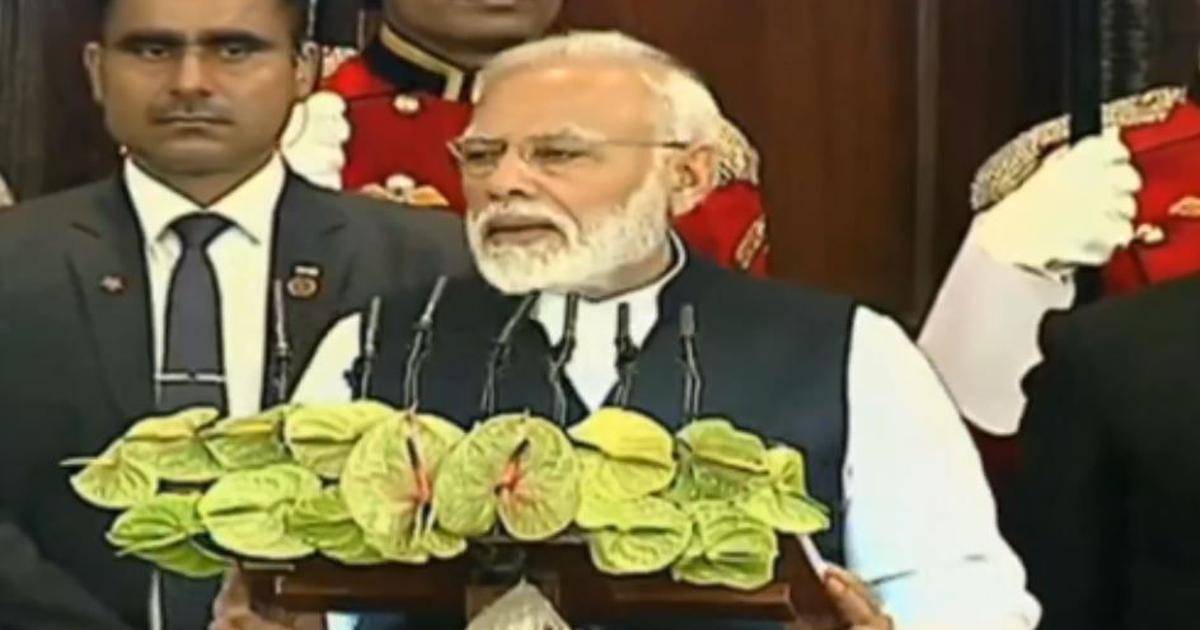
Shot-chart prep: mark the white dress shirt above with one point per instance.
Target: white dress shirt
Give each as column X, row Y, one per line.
column 982, row 333
column 241, row 257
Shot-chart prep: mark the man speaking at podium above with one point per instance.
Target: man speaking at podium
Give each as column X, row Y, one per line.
column 148, row 291
column 581, row 151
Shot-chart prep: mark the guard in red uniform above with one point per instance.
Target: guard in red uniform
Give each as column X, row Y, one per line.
column 405, row 100
column 1127, row 202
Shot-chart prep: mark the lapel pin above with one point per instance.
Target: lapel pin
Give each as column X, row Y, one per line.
column 305, row 282
column 112, row 285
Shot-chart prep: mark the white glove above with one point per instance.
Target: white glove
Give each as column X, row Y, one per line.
column 6, row 198
column 312, row 141
column 1076, row 210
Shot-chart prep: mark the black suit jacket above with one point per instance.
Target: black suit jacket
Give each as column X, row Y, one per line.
column 1108, row 512
column 75, row 365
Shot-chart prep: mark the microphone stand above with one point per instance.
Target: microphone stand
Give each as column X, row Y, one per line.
column 420, row 347
column 500, row 355
column 693, row 382
column 370, row 350
column 558, row 364
column 281, row 355
column 626, row 357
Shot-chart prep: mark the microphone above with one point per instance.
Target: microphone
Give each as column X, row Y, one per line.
column 420, row 347
column 693, row 382
column 626, row 357
column 558, row 363
column 370, row 350
column 501, row 352
column 281, row 356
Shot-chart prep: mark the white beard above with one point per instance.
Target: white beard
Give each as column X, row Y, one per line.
column 618, row 237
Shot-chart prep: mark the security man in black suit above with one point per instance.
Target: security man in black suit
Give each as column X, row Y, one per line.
column 1109, row 491
column 149, row 291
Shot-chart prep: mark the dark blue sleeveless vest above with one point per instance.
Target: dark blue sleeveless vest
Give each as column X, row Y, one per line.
column 773, row 358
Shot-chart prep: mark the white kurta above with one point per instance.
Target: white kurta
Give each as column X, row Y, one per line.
column 982, row 334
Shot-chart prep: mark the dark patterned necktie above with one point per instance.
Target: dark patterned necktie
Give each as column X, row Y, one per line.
column 193, row 371
column 192, row 374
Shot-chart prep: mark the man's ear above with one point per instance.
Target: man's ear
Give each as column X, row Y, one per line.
column 693, row 176
column 308, row 69
column 93, row 62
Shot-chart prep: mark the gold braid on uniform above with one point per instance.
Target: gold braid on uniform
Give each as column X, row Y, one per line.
column 332, row 58
column 1009, row 167
column 753, row 242
column 737, row 160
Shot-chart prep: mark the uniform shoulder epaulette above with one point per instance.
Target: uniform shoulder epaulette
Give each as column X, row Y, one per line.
column 737, row 159
column 1009, row 167
column 332, row 58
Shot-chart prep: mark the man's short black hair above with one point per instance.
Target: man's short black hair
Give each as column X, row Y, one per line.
column 298, row 8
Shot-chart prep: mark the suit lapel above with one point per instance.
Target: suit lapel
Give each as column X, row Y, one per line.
column 105, row 255
column 312, row 258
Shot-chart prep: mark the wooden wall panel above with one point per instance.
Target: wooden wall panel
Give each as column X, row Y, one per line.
column 826, row 91
column 51, row 135
column 999, row 70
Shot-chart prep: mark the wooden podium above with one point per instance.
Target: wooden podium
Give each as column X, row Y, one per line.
column 564, row 574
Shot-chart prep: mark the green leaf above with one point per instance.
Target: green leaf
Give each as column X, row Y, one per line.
column 160, row 521
column 786, row 512
column 627, row 435
column 699, row 480
column 728, row 548
column 171, row 448
column 324, row 522
column 444, row 545
column 112, row 481
column 639, row 552
column 645, row 514
column 321, row 437
column 633, row 537
column 715, row 440
column 785, row 465
column 250, row 442
column 388, row 480
column 161, row 530
column 187, row 559
column 618, row 478
column 749, row 575
column 519, row 467
column 245, row 511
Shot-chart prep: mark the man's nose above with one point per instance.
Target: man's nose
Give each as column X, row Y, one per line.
column 192, row 75
column 512, row 177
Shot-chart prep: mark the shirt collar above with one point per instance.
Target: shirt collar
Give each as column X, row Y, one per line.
column 250, row 207
column 550, row 309
column 412, row 68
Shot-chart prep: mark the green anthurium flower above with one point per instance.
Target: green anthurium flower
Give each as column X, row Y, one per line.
column 321, row 437
column 518, row 467
column 245, row 511
column 388, row 482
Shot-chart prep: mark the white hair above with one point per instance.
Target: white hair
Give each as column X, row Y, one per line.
column 691, row 111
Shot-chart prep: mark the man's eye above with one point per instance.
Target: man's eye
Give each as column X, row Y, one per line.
column 152, row 52
column 480, row 156
column 234, row 51
column 551, row 154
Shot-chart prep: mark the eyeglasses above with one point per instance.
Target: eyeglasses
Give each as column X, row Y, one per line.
column 552, row 155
